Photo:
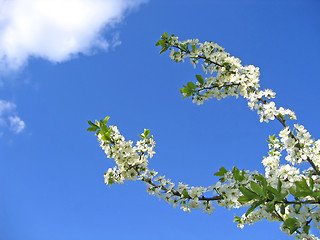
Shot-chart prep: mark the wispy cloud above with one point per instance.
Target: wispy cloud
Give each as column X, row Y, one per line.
column 9, row 118
column 56, row 30
column 16, row 124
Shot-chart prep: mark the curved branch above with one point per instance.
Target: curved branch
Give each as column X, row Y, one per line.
column 282, row 121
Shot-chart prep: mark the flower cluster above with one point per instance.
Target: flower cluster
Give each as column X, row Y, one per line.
column 130, row 160
column 284, row 193
column 232, row 78
column 132, row 164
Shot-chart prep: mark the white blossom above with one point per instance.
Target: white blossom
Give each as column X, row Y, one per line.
column 282, row 181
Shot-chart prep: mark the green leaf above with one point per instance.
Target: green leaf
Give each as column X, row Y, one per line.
column 92, row 124
column 146, row 133
column 163, row 49
column 272, row 190
column 235, row 171
column 293, row 191
column 165, row 35
column 221, row 173
column 106, row 136
column 253, row 206
column 292, row 224
column 187, row 91
column 306, row 229
column 282, row 209
column 92, row 129
column 191, row 85
column 237, row 219
column 302, row 185
column 270, row 207
column 315, row 194
column 200, row 79
column 281, row 116
column 160, row 43
column 257, row 189
column 302, row 194
column 262, row 180
column 105, row 121
column 103, row 126
column 302, row 189
column 270, row 195
column 279, row 186
column 243, row 199
column 248, row 193
column 236, row 174
column 185, row 194
column 183, row 46
column 311, row 182
column 110, row 181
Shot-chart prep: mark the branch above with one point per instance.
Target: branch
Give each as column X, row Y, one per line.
column 282, row 121
column 178, row 194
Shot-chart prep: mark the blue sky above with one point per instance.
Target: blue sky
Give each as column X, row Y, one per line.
column 51, row 181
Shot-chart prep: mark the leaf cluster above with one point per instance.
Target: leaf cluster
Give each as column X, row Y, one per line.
column 100, row 127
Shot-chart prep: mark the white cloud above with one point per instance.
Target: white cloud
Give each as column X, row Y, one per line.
column 6, row 107
column 56, row 30
column 9, row 118
column 16, row 124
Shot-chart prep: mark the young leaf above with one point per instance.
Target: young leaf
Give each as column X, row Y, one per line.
column 105, row 121
column 185, row 194
column 257, row 189
column 237, row 219
column 165, row 35
column 236, row 174
column 243, row 199
column 261, row 179
column 302, row 185
column 293, row 191
column 92, row 129
column 292, row 224
column 160, row 43
column 163, row 49
column 248, row 193
column 272, row 190
column 191, row 85
column 221, row 173
column 200, row 79
column 106, row 136
column 186, row 91
column 92, row 124
column 253, row 206
column 306, row 229
column 103, row 126
column 315, row 194
column 270, row 207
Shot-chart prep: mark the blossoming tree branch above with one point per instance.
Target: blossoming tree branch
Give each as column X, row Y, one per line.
column 285, row 192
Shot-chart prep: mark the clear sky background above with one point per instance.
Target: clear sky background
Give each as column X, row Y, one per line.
column 79, row 60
